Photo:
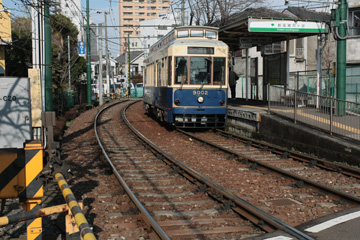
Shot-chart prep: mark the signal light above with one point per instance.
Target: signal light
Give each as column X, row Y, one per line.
column 222, row 102
column 177, row 102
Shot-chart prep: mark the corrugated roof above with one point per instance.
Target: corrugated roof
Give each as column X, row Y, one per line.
column 133, row 54
column 307, row 14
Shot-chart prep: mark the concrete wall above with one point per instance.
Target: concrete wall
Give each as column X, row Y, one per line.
column 294, row 136
column 352, row 50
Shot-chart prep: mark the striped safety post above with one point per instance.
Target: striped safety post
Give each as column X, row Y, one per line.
column 86, row 232
column 33, row 192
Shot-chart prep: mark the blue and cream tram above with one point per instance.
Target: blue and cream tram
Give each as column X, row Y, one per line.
column 185, row 79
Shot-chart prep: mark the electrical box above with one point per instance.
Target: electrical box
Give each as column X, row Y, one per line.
column 15, row 112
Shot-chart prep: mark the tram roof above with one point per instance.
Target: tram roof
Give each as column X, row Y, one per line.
column 196, row 27
column 237, row 27
column 198, row 42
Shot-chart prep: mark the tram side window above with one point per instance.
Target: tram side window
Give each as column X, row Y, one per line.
column 181, row 70
column 200, row 70
column 169, row 70
column 219, row 71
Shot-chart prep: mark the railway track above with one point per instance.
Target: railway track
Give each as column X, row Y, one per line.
column 321, row 174
column 292, row 200
column 175, row 201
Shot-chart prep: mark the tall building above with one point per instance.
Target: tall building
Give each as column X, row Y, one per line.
column 159, row 28
column 93, row 40
column 72, row 10
column 131, row 13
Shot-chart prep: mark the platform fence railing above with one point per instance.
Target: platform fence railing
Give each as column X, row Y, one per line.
column 332, row 115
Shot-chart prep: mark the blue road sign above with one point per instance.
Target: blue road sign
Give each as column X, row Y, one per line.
column 82, row 48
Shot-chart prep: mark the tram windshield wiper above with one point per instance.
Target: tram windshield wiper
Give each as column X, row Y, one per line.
column 182, row 83
column 205, row 81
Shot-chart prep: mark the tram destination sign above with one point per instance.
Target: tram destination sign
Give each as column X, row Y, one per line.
column 285, row 26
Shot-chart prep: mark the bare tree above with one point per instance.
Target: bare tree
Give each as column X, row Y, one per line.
column 207, row 12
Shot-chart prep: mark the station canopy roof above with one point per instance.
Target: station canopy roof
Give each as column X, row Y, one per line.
column 262, row 26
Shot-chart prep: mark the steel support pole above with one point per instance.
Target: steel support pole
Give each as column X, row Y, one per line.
column 129, row 62
column 69, row 59
column 48, row 59
column 247, row 74
column 318, row 79
column 88, row 66
column 100, row 77
column 341, row 57
column 107, row 56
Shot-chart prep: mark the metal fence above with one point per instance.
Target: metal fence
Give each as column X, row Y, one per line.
column 327, row 113
column 304, row 81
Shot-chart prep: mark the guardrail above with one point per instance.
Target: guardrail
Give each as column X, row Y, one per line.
column 330, row 114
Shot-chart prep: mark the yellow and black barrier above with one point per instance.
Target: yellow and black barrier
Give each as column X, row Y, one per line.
column 20, row 171
column 86, row 232
column 36, row 212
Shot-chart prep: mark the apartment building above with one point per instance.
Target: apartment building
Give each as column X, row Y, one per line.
column 72, row 10
column 5, row 35
column 131, row 13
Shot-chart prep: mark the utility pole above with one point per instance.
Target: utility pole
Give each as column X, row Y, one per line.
column 182, row 12
column 341, row 34
column 48, row 59
column 107, row 55
column 101, row 90
column 69, row 60
column 319, row 64
column 88, row 69
column 129, row 62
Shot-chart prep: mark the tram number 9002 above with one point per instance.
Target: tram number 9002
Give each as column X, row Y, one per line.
column 200, row 92
column 9, row 98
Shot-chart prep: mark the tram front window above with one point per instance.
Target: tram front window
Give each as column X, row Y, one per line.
column 181, row 70
column 200, row 70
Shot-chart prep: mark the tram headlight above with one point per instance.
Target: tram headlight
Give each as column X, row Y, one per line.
column 222, row 102
column 177, row 102
column 200, row 99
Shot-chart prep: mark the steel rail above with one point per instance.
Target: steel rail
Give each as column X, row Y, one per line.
column 349, row 171
column 147, row 217
column 261, row 218
column 279, row 170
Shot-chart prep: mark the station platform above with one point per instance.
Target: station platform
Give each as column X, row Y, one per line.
column 343, row 225
column 251, row 118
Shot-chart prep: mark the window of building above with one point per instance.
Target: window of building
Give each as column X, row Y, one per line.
column 354, row 22
column 274, row 48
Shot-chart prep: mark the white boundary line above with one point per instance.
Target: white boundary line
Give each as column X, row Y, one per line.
column 333, row 222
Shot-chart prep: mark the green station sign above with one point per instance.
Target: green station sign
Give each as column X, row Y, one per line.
column 285, row 26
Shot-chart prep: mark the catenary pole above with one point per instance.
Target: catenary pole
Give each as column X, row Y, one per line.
column 69, row 60
column 100, row 78
column 88, row 69
column 341, row 55
column 129, row 62
column 48, row 59
column 107, row 56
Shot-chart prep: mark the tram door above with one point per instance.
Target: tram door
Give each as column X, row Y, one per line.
column 158, row 81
